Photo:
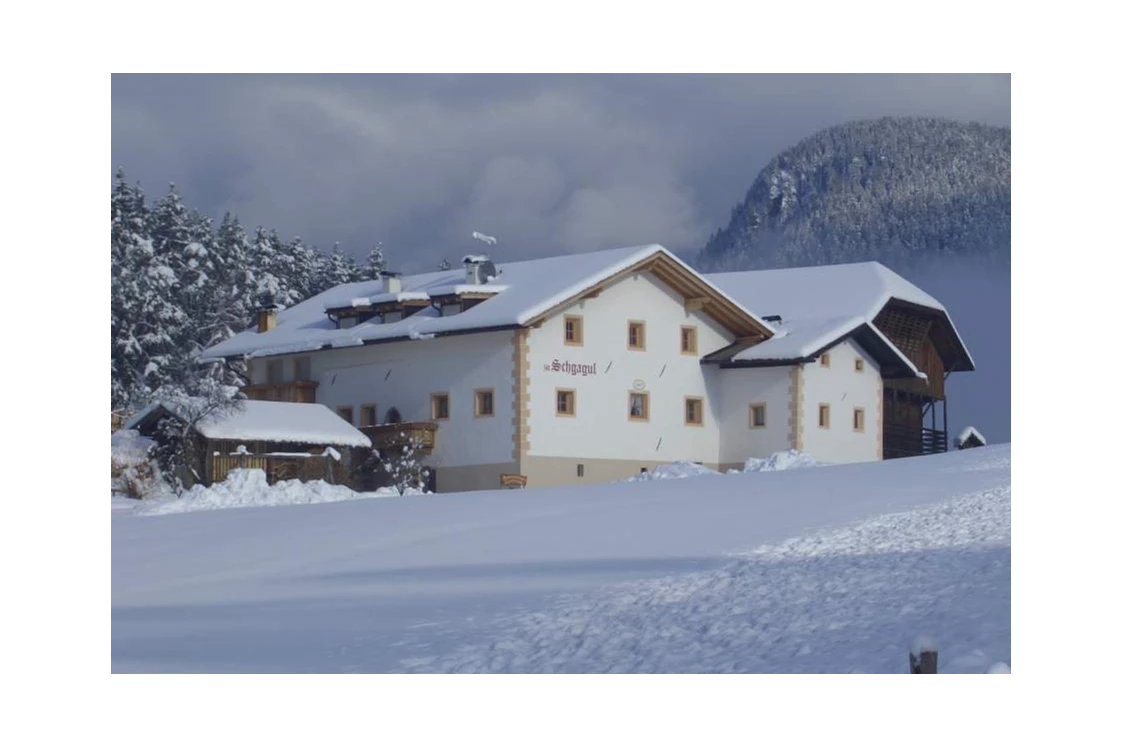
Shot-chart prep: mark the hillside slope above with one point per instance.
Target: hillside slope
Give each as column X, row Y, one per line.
column 897, row 190
column 845, row 566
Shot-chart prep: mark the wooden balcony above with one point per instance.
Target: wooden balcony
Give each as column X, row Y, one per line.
column 286, row 392
column 901, row 440
column 396, row 435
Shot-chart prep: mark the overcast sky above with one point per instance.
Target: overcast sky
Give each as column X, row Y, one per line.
column 547, row 164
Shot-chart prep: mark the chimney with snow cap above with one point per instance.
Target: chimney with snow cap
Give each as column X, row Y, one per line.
column 478, row 269
column 267, row 314
column 391, row 282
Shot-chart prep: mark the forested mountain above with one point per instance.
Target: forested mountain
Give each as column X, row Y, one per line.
column 180, row 285
column 896, row 190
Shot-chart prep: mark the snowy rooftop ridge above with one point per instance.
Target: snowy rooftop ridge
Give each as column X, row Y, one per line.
column 823, row 303
column 967, row 433
column 529, row 288
column 265, row 420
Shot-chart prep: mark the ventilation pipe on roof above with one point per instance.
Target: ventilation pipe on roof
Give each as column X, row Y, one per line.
column 391, row 282
column 478, row 269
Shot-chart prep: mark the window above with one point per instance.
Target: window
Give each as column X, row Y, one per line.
column 637, row 336
column 485, row 403
column 389, row 317
column 580, row 470
column 859, row 420
column 637, row 406
column 824, row 416
column 825, row 360
column 859, row 365
column 566, row 402
column 447, row 310
column 693, row 411
column 368, row 415
column 757, row 416
column 275, row 371
column 438, row 406
column 303, row 369
column 688, row 342
column 574, row 330
column 346, row 322
column 346, row 412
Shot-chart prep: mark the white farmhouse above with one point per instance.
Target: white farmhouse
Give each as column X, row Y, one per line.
column 587, row 368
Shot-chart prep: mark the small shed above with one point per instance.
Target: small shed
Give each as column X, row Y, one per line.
column 304, row 441
column 969, row 438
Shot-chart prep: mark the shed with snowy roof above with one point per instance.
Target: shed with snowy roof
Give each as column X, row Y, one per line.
column 288, row 440
column 969, row 438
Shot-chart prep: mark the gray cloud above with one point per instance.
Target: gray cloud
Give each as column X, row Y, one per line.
column 549, row 164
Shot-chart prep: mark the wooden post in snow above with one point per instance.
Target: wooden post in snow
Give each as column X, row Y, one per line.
column 922, row 656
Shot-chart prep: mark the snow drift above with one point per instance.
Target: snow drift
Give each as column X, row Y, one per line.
column 248, row 487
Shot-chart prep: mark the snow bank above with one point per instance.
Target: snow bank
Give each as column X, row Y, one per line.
column 249, row 488
column 788, row 460
column 680, row 469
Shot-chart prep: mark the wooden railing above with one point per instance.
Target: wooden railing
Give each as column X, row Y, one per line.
column 287, row 392
column 396, row 435
column 905, row 441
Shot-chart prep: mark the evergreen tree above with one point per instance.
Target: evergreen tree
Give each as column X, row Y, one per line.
column 376, row 262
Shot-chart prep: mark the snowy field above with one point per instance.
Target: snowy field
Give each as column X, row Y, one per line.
column 821, row 569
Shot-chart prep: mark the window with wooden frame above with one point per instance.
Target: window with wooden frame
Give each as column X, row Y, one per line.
column 346, row 412
column 758, row 415
column 637, row 335
column 824, row 416
column 368, row 415
column 303, row 369
column 566, row 402
column 825, row 360
column 859, row 420
column 438, row 406
column 693, row 411
column 275, row 371
column 638, row 406
column 485, row 403
column 574, row 329
column 688, row 340
column 859, row 365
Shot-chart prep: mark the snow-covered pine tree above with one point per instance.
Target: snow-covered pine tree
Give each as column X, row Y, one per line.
column 376, row 262
column 405, row 467
column 336, row 270
column 147, row 319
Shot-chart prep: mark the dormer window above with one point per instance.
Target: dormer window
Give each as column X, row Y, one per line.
column 447, row 310
column 391, row 317
column 346, row 322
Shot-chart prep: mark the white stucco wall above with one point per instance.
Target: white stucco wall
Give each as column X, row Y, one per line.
column 601, row 427
column 405, row 374
column 844, row 389
column 739, row 389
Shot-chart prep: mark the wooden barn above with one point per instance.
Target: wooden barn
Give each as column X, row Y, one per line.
column 302, row 441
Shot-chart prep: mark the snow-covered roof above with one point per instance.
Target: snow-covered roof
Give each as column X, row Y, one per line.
column 264, row 420
column 967, row 433
column 529, row 289
column 821, row 304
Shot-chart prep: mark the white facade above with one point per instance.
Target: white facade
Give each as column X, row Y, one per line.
column 602, row 426
column 740, row 390
column 406, row 375
column 842, row 389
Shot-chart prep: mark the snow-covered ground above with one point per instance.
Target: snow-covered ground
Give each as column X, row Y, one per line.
column 833, row 569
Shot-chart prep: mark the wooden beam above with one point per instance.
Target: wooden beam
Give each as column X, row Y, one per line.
column 694, row 304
